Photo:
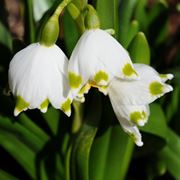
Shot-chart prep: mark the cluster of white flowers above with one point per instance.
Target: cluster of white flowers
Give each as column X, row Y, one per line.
column 39, row 75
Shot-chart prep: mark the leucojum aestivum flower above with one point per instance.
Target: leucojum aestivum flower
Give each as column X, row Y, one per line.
column 98, row 60
column 41, row 74
column 38, row 73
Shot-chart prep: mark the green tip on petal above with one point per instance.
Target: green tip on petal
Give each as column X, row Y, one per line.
column 44, row 105
column 138, row 117
column 128, row 70
column 84, row 89
column 136, row 139
column 75, row 80
column 166, row 77
column 163, row 76
column 21, row 105
column 156, row 88
column 101, row 78
column 66, row 107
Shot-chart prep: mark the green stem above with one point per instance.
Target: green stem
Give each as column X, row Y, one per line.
column 31, row 21
column 77, row 119
column 61, row 6
column 67, row 164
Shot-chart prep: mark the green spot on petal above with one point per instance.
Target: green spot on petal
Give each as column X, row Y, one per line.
column 74, row 80
column 137, row 115
column 156, row 88
column 84, row 89
column 21, row 105
column 163, row 76
column 100, row 76
column 44, row 104
column 66, row 106
column 128, row 70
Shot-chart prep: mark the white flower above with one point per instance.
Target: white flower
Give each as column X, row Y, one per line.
column 96, row 59
column 38, row 76
column 130, row 99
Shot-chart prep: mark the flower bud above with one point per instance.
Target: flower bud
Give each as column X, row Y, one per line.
column 91, row 20
column 50, row 32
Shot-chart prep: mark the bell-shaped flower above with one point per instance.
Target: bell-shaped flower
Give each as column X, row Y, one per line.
column 130, row 98
column 38, row 76
column 95, row 60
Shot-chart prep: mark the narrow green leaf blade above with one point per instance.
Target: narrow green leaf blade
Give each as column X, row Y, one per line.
column 139, row 49
column 84, row 139
column 5, row 36
column 23, row 155
column 156, row 124
column 24, row 135
column 111, row 151
column 171, row 153
column 52, row 117
column 125, row 14
column 108, row 14
column 71, row 34
column 6, row 176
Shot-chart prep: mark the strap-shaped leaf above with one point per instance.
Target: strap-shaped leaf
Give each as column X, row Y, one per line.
column 21, row 133
column 125, row 15
column 155, row 131
column 171, row 153
column 108, row 14
column 112, row 149
column 6, row 176
column 84, row 139
column 19, row 151
column 139, row 49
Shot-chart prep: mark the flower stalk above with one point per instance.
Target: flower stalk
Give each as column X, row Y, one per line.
column 51, row 29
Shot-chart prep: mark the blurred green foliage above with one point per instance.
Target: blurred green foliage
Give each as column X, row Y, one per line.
column 43, row 146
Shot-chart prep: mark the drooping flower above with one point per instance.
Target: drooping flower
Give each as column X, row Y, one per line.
column 38, row 76
column 130, row 99
column 98, row 60
column 38, row 73
column 95, row 60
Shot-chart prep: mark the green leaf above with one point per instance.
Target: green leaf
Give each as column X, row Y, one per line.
column 108, row 14
column 6, row 176
column 125, row 15
column 156, row 124
column 171, row 153
column 30, row 26
column 157, row 9
column 20, row 152
column 112, row 149
column 84, row 139
column 172, row 106
column 21, row 133
column 71, row 34
column 52, row 117
column 27, row 123
column 139, row 49
column 140, row 14
column 133, row 30
column 5, row 36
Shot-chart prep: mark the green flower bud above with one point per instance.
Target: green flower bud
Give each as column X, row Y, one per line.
column 50, row 32
column 91, row 19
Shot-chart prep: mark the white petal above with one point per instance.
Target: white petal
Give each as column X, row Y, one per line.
column 140, row 92
column 128, row 126
column 99, row 57
column 165, row 77
column 38, row 74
